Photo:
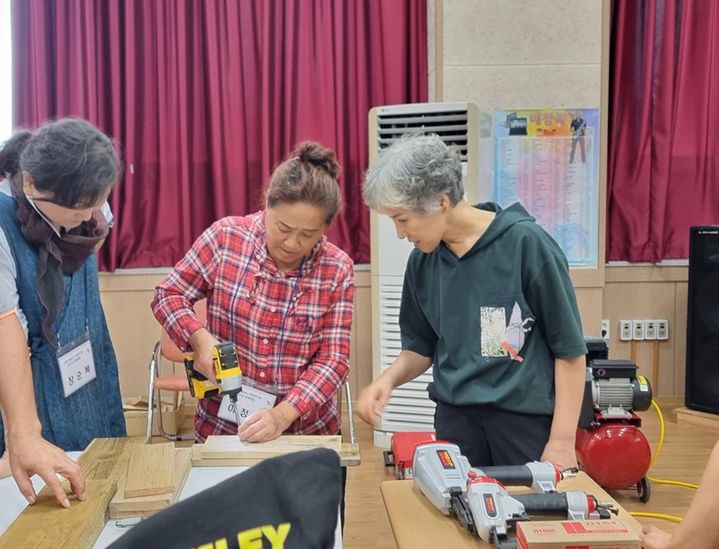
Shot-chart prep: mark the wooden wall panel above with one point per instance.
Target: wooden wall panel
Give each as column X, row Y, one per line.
column 362, row 357
column 678, row 335
column 650, row 292
column 589, row 301
column 134, row 330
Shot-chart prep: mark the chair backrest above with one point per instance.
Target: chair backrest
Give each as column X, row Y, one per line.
column 169, row 350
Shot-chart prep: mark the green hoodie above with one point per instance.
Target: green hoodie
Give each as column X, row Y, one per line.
column 495, row 319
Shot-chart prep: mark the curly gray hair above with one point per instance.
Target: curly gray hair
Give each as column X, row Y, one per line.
column 413, row 174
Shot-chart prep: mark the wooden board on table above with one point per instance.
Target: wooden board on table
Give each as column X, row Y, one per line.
column 106, row 458
column 350, row 455
column 103, row 463
column 47, row 524
column 233, row 452
column 124, row 507
column 151, row 470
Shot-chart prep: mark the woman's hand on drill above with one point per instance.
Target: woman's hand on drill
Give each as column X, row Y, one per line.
column 203, row 343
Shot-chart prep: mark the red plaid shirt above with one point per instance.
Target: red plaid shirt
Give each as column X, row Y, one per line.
column 292, row 331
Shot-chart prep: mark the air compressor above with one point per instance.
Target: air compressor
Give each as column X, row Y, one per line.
column 610, row 445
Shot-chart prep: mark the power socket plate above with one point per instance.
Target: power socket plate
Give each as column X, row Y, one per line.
column 650, row 329
column 625, row 330
column 638, row 330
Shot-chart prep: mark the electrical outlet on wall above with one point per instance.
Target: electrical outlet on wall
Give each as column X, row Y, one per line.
column 650, row 329
column 605, row 329
column 625, row 330
column 662, row 330
column 637, row 330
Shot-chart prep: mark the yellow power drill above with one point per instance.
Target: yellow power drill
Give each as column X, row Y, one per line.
column 227, row 371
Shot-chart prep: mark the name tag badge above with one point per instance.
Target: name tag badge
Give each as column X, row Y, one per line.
column 77, row 365
column 249, row 400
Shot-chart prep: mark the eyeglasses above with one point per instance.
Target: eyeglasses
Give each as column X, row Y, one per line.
column 51, row 201
column 40, row 199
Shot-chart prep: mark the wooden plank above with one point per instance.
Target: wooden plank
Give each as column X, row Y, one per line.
column 123, row 507
column 47, row 524
column 349, row 457
column 223, row 446
column 151, row 470
column 106, row 458
column 229, row 451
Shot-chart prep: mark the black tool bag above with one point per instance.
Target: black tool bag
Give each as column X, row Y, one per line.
column 290, row 501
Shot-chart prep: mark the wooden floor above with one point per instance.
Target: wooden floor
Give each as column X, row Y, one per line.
column 366, row 522
column 683, row 456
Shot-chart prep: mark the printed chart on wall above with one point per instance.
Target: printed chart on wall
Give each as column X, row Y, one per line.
column 548, row 160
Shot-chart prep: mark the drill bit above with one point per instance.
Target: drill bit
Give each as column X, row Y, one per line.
column 233, row 398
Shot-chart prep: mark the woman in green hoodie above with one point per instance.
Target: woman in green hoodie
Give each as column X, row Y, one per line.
column 487, row 298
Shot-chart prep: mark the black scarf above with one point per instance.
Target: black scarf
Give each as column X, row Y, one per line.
column 57, row 255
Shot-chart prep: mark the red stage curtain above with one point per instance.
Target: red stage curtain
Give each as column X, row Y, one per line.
column 205, row 97
column 664, row 127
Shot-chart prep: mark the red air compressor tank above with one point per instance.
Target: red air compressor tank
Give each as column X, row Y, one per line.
column 616, row 455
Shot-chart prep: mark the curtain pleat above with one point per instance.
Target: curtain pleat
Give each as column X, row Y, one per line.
column 663, row 174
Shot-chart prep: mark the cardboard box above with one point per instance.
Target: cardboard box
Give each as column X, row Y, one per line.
column 135, row 410
column 576, row 534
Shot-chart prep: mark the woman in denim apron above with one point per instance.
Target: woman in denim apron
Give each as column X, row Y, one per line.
column 59, row 386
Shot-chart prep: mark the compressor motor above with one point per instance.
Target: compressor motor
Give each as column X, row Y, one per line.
column 613, row 390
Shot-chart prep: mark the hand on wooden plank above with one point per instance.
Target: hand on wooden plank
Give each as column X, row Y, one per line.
column 267, row 424
column 30, row 454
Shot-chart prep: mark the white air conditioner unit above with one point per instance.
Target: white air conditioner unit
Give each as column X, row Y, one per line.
column 458, row 124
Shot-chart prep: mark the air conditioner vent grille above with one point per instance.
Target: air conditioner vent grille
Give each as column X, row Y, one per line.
column 451, row 126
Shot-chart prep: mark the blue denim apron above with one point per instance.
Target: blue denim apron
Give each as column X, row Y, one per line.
column 94, row 410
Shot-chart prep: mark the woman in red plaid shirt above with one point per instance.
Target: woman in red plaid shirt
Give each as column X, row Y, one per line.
column 278, row 289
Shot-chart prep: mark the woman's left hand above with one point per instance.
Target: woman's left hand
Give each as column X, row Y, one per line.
column 561, row 454
column 266, row 424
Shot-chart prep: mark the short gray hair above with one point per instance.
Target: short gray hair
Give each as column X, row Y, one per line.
column 413, row 174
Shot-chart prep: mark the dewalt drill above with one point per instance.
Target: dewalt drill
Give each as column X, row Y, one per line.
column 227, row 371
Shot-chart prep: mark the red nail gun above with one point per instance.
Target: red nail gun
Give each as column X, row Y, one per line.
column 401, row 451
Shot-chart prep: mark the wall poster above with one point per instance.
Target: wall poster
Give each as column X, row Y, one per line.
column 548, row 159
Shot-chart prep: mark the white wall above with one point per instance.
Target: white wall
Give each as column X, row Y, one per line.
column 522, row 54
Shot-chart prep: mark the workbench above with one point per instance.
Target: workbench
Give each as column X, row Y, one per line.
column 417, row 524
